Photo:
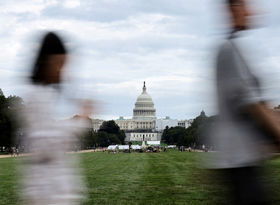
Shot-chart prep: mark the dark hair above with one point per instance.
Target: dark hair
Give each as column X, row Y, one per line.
column 51, row 44
column 231, row 2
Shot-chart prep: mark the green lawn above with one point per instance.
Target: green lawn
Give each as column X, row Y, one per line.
column 8, row 180
column 140, row 178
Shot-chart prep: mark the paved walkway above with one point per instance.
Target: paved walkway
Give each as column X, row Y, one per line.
column 28, row 154
column 8, row 155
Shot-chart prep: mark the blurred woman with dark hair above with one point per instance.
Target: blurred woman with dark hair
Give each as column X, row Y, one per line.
column 49, row 63
column 49, row 176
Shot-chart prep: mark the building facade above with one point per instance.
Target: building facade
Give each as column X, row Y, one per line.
column 185, row 123
column 96, row 123
column 142, row 125
column 161, row 124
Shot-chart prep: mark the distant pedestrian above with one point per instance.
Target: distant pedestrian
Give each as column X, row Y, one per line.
column 13, row 151
column 203, row 147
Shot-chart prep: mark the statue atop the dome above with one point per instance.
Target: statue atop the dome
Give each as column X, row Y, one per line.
column 144, row 87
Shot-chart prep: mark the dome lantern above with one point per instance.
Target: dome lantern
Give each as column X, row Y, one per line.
column 144, row 87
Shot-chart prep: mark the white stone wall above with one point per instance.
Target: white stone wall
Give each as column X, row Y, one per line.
column 145, row 124
column 188, row 123
column 131, row 124
column 126, row 124
column 96, row 123
column 138, row 136
column 160, row 124
column 185, row 123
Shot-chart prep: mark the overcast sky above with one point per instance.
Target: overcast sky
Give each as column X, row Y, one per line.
column 117, row 44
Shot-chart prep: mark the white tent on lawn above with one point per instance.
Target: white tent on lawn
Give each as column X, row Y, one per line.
column 123, row 147
column 112, row 147
column 153, row 142
column 136, row 147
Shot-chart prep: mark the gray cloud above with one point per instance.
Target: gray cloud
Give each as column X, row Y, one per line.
column 117, row 44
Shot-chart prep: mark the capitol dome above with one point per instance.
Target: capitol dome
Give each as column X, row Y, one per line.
column 144, row 106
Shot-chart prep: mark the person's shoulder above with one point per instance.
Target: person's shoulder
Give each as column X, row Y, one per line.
column 225, row 50
column 226, row 46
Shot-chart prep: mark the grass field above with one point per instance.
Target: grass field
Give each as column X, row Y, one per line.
column 141, row 178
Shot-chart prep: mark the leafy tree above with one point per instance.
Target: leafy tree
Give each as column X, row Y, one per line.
column 103, row 139
column 174, row 135
column 110, row 127
column 10, row 120
column 193, row 136
column 196, row 130
column 87, row 138
column 110, row 133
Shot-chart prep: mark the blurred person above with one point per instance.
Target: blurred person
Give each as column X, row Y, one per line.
column 13, row 152
column 17, row 151
column 49, row 176
column 246, row 124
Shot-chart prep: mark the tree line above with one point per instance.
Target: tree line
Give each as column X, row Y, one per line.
column 108, row 133
column 193, row 136
column 11, row 132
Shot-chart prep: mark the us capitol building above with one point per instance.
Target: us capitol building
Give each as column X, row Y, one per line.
column 142, row 126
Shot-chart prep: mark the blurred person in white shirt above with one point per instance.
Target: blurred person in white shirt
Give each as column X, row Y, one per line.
column 49, row 176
